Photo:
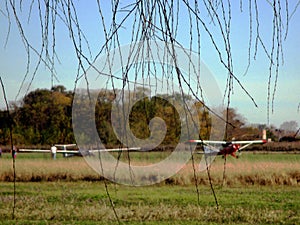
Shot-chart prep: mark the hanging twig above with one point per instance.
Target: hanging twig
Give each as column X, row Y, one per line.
column 224, row 172
column 195, row 178
column 13, row 150
column 152, row 20
column 210, row 180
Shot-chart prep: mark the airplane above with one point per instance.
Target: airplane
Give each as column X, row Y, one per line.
column 64, row 146
column 229, row 147
column 64, row 150
column 226, row 148
column 69, row 153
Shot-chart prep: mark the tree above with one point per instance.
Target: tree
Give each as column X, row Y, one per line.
column 289, row 126
column 235, row 123
column 59, row 88
column 288, row 131
column 205, row 121
column 44, row 118
column 4, row 128
column 103, row 118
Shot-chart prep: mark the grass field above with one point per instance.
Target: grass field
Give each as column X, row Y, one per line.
column 87, row 203
column 260, row 189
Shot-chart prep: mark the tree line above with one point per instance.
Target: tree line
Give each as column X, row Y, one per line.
column 44, row 117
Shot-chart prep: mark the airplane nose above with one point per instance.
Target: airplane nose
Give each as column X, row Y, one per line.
column 236, row 147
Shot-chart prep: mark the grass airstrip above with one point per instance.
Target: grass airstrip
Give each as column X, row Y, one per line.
column 259, row 189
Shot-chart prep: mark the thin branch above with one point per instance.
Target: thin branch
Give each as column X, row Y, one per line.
column 13, row 150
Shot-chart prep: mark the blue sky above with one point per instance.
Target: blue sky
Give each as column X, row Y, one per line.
column 287, row 97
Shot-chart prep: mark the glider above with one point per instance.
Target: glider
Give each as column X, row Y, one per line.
column 72, row 152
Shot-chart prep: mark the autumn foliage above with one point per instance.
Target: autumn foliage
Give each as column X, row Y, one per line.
column 44, row 117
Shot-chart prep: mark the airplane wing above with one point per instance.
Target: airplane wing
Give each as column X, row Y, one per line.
column 115, row 150
column 245, row 144
column 35, row 150
column 225, row 142
column 249, row 142
column 207, row 142
column 49, row 151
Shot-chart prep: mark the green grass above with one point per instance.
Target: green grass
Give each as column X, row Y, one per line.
column 87, row 203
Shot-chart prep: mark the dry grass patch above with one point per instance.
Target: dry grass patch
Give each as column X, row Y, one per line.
column 273, row 169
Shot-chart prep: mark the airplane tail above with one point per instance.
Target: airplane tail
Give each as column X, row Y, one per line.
column 264, row 136
column 208, row 157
